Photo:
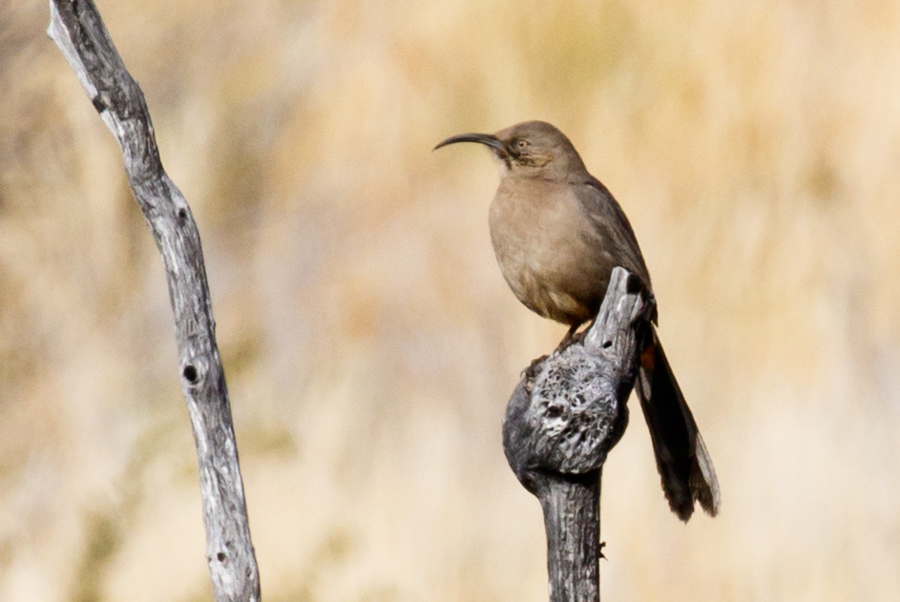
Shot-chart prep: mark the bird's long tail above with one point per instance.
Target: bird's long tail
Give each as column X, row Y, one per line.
column 684, row 464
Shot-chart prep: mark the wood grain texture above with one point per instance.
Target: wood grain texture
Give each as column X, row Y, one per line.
column 78, row 30
column 562, row 420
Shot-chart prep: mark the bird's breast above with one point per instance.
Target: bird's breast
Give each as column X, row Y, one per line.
column 548, row 253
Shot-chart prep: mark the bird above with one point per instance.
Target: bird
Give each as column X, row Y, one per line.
column 557, row 234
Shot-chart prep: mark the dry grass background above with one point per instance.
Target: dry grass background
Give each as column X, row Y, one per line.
column 370, row 343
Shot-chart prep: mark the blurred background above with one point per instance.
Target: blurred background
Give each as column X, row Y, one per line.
column 369, row 341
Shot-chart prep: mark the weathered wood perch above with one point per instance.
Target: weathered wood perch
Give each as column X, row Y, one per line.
column 561, row 422
column 78, row 30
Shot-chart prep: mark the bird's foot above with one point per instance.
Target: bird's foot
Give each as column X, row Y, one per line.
column 530, row 373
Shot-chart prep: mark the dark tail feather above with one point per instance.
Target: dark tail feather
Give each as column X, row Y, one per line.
column 684, row 464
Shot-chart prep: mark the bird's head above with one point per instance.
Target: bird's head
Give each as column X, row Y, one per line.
column 530, row 149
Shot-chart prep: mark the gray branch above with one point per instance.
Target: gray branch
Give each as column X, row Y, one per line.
column 78, row 30
column 562, row 420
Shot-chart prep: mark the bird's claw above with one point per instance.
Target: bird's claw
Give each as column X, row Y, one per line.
column 530, row 373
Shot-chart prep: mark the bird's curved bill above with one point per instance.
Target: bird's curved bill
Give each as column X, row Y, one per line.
column 486, row 139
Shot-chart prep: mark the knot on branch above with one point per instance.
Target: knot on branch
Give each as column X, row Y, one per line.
column 100, row 102
column 569, row 421
column 576, row 411
column 563, row 421
column 193, row 371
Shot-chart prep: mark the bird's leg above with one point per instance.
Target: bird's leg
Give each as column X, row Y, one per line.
column 569, row 335
column 572, row 337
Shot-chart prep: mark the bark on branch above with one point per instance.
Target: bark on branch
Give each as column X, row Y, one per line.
column 78, row 30
column 562, row 420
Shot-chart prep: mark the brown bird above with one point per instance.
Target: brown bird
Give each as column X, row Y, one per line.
column 557, row 234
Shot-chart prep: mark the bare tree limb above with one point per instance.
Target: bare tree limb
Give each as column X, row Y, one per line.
column 561, row 422
column 78, row 30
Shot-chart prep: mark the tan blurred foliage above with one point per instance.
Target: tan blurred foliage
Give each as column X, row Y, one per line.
column 370, row 343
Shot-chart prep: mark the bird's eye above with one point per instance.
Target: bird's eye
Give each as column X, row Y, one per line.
column 522, row 144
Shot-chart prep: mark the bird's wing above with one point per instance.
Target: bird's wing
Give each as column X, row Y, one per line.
column 612, row 227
